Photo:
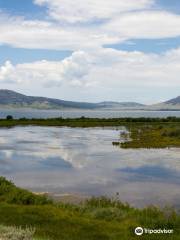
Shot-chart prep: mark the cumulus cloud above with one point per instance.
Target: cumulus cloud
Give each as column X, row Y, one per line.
column 48, row 73
column 6, row 71
column 120, row 69
column 104, row 67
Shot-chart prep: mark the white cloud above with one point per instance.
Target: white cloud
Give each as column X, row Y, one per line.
column 85, row 27
column 18, row 32
column 146, row 24
column 105, row 68
column 120, row 26
column 6, row 72
column 48, row 73
column 22, row 33
column 120, row 69
column 89, row 10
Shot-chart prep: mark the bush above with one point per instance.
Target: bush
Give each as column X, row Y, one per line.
column 11, row 194
column 9, row 117
column 104, row 202
column 172, row 133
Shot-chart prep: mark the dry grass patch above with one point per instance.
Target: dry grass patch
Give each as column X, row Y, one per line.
column 16, row 233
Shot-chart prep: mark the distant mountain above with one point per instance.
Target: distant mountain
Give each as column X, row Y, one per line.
column 120, row 105
column 13, row 99
column 172, row 104
column 174, row 101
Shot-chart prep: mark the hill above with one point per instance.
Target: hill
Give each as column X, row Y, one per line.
column 174, row 101
column 120, row 105
column 172, row 104
column 10, row 98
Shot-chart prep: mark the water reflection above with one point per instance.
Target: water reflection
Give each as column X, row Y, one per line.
column 84, row 161
column 152, row 173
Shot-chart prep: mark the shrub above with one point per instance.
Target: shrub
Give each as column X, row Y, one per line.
column 9, row 117
column 172, row 133
column 11, row 194
column 105, row 202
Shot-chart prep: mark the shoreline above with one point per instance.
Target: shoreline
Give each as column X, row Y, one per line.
column 85, row 121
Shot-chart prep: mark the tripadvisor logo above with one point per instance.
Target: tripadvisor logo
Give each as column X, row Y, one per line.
column 140, row 231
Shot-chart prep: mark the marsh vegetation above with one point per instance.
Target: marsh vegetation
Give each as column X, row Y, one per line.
column 153, row 136
column 88, row 122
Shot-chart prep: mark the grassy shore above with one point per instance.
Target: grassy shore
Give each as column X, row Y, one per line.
column 88, row 122
column 153, row 136
column 96, row 219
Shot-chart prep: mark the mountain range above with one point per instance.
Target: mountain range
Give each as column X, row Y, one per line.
column 12, row 99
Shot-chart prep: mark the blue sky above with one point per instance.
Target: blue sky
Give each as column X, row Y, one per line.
column 21, row 55
column 172, row 5
column 24, row 8
column 148, row 45
column 27, row 7
column 91, row 51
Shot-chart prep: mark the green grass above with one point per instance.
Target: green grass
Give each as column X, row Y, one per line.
column 87, row 122
column 153, row 136
column 96, row 219
column 9, row 193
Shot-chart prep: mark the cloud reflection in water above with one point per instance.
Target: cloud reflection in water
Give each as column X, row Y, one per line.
column 85, row 161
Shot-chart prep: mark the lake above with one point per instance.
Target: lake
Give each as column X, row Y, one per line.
column 84, row 161
column 34, row 113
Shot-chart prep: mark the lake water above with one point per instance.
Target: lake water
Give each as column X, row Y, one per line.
column 34, row 113
column 84, row 161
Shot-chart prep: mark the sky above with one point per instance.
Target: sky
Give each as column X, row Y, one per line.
column 93, row 50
